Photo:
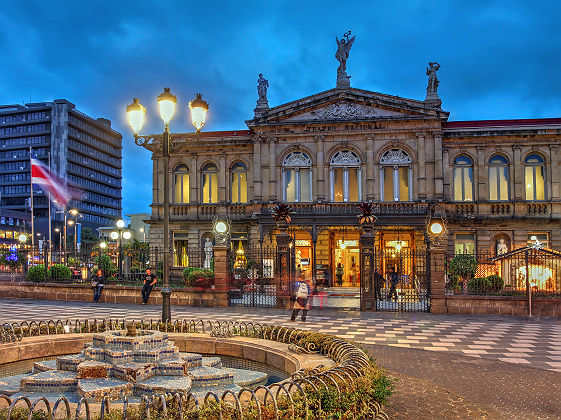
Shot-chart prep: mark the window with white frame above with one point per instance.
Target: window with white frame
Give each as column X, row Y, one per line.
column 464, row 243
column 210, row 184
column 463, row 179
column 396, row 176
column 534, row 177
column 345, row 175
column 239, row 183
column 498, row 179
column 181, row 185
column 297, row 178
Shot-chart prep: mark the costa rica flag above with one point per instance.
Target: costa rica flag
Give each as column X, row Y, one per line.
column 41, row 175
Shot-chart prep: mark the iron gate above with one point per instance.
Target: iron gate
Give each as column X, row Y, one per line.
column 395, row 281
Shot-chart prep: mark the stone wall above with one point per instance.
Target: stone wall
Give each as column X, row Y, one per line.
column 502, row 305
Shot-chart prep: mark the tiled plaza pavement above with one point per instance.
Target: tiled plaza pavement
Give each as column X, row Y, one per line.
column 504, row 377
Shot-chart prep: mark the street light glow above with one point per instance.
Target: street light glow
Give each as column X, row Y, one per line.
column 436, row 228
column 136, row 115
column 23, row 237
column 73, row 212
column 198, row 109
column 120, row 224
column 167, row 103
column 127, row 235
column 221, row 227
column 103, row 245
column 114, row 235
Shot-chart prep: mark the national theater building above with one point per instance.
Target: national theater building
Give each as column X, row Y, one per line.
column 325, row 153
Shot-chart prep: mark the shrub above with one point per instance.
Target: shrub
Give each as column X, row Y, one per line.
column 105, row 264
column 36, row 273
column 59, row 272
column 200, row 278
column 463, row 268
column 478, row 285
column 496, row 282
column 187, row 271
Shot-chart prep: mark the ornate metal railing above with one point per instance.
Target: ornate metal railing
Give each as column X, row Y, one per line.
column 292, row 397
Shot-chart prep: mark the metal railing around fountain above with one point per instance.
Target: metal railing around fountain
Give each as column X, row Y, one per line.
column 351, row 364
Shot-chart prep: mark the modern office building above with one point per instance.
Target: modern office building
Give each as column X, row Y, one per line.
column 84, row 152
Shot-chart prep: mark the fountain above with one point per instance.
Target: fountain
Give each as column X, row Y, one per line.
column 128, row 363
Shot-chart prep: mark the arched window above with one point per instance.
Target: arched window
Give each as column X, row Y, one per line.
column 396, row 176
column 181, row 185
column 498, row 179
column 239, row 183
column 210, row 183
column 463, row 179
column 345, row 176
column 534, row 177
column 297, row 177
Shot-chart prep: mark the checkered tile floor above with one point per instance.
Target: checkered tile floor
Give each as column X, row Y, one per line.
column 528, row 342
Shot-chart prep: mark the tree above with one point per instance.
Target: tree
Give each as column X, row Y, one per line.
column 463, row 268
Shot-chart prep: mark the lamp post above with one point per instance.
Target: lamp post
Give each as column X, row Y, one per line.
column 120, row 235
column 136, row 112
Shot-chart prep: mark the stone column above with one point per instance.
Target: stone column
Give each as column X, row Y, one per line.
column 370, row 175
column 438, row 174
column 257, row 194
column 320, row 177
column 222, row 179
column 517, row 175
column 421, row 152
column 437, row 258
column 194, row 180
column 482, row 186
column 554, row 170
column 221, row 277
column 272, row 169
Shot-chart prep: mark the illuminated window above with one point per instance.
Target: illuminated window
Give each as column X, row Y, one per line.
column 181, row 190
column 542, row 238
column 498, row 179
column 463, row 179
column 210, row 184
column 345, row 177
column 297, row 177
column 534, row 178
column 239, row 183
column 464, row 243
column 396, row 176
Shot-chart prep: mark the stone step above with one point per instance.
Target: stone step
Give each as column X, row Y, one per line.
column 50, row 381
column 44, row 366
column 205, row 376
column 92, row 369
column 70, row 362
column 134, row 372
column 170, row 367
column 97, row 389
column 192, row 359
column 245, row 378
column 11, row 384
column 163, row 384
column 212, row 361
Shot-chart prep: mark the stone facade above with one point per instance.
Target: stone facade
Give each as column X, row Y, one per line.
column 402, row 154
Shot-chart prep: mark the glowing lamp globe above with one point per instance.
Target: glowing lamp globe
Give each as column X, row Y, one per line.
column 136, row 113
column 22, row 238
column 398, row 247
column 103, row 245
column 198, row 109
column 114, row 235
column 167, row 103
column 127, row 235
column 436, row 228
column 120, row 224
column 221, row 227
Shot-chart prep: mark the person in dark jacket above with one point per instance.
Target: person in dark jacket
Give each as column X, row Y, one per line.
column 97, row 284
column 149, row 281
column 378, row 281
column 394, row 280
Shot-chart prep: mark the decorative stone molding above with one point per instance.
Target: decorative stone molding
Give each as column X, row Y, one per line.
column 297, row 159
column 344, row 111
column 395, row 157
column 345, row 158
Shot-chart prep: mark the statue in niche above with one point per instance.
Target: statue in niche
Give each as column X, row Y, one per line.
column 502, row 248
column 208, row 253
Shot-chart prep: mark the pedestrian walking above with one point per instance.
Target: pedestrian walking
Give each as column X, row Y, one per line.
column 339, row 271
column 303, row 292
column 394, row 280
column 149, row 282
column 378, row 281
column 98, row 282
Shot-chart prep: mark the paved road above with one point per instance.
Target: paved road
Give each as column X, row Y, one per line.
column 447, row 367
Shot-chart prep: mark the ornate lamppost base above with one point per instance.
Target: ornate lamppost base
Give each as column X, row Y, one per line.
column 166, row 306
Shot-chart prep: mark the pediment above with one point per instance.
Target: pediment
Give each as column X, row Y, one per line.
column 346, row 105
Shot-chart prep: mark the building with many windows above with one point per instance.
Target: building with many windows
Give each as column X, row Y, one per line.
column 84, row 152
column 495, row 181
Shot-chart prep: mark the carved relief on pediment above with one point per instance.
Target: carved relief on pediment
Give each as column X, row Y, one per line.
column 344, row 111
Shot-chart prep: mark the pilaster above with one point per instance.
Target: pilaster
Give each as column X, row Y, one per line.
column 222, row 175
column 257, row 194
column 517, row 174
column 320, row 172
column 272, row 169
column 194, row 180
column 438, row 173
column 421, row 153
column 482, row 182
column 370, row 170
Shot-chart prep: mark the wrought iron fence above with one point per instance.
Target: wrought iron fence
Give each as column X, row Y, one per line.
column 253, row 281
column 515, row 273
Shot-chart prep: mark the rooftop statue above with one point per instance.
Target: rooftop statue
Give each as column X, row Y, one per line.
column 432, row 98
column 262, row 102
column 343, row 48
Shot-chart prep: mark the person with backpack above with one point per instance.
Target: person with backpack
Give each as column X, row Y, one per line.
column 303, row 293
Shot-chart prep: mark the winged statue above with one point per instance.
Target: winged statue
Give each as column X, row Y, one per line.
column 343, row 48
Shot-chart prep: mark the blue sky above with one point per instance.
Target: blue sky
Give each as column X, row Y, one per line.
column 499, row 59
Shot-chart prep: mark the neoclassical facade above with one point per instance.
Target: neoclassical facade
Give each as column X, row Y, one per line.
column 323, row 154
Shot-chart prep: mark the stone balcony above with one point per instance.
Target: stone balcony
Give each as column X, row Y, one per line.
column 507, row 209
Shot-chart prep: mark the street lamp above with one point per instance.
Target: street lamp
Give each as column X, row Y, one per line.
column 136, row 111
column 119, row 235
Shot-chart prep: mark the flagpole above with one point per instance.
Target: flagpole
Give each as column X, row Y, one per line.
column 32, row 216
